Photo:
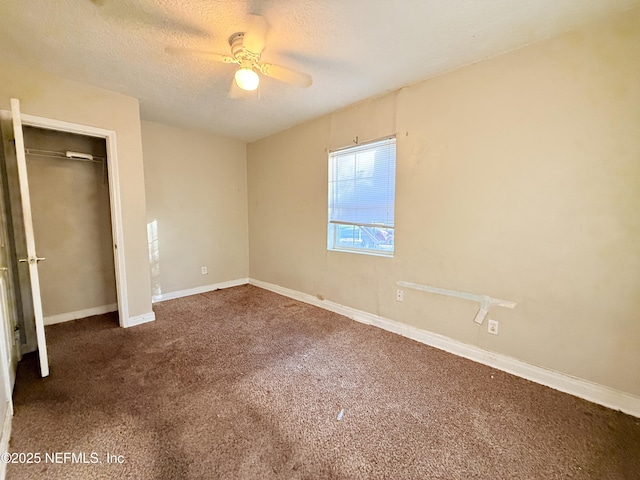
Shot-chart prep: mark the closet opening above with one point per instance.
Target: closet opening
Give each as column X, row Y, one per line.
column 70, row 206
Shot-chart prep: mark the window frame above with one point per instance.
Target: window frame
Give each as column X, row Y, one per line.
column 333, row 226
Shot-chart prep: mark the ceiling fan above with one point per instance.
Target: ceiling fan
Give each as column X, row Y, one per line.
column 246, row 49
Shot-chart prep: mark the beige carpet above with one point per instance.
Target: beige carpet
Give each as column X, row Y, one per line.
column 246, row 384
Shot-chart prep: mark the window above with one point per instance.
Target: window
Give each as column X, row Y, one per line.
column 362, row 187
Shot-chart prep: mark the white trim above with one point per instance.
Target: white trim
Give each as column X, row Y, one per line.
column 138, row 320
column 87, row 312
column 578, row 387
column 4, row 440
column 194, row 291
column 114, row 196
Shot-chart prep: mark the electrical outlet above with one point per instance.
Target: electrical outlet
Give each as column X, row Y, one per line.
column 204, row 270
column 493, row 327
column 400, row 295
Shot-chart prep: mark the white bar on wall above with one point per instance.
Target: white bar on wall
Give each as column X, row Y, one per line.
column 453, row 293
column 486, row 302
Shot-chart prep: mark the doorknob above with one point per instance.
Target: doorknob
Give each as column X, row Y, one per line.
column 31, row 260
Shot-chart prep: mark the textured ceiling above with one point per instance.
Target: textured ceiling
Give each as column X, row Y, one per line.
column 354, row 49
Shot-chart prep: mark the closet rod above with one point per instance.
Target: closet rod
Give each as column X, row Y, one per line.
column 67, row 155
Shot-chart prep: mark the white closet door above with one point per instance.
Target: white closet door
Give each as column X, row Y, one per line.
column 32, row 257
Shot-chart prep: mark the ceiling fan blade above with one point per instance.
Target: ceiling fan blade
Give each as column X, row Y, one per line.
column 218, row 57
column 286, row 75
column 254, row 37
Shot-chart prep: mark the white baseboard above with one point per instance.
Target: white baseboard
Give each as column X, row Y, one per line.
column 578, row 387
column 151, row 316
column 4, row 440
column 197, row 290
column 66, row 317
column 139, row 320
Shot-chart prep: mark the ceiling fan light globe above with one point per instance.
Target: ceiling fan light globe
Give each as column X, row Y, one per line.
column 247, row 79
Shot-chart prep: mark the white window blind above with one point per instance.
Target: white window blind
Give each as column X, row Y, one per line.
column 362, row 197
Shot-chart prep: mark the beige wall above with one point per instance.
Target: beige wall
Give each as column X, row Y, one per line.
column 196, row 188
column 72, row 223
column 52, row 97
column 517, row 177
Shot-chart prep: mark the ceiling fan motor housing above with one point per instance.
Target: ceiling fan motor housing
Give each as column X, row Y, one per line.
column 235, row 42
column 240, row 53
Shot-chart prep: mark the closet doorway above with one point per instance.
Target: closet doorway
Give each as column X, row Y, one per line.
column 69, row 189
column 104, row 263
